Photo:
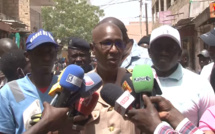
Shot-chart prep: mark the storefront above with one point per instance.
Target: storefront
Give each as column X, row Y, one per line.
column 4, row 30
column 204, row 22
column 186, row 29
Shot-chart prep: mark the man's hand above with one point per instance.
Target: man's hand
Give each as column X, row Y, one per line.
column 167, row 111
column 52, row 119
column 146, row 119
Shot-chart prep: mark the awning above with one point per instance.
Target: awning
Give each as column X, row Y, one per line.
column 203, row 18
column 5, row 27
column 184, row 22
column 15, row 24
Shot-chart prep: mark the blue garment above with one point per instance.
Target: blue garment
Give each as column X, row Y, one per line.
column 17, row 106
column 138, row 56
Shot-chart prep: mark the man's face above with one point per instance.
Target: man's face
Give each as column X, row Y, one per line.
column 203, row 61
column 108, row 47
column 211, row 50
column 42, row 58
column 79, row 57
column 165, row 53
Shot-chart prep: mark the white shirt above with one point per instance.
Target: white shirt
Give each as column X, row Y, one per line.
column 206, row 71
column 188, row 92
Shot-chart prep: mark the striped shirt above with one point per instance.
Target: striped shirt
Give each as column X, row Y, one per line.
column 184, row 127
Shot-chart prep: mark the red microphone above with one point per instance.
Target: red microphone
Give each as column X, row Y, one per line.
column 86, row 105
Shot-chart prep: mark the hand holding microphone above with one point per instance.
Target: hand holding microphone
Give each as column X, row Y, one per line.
column 71, row 82
column 146, row 119
column 52, row 119
column 167, row 112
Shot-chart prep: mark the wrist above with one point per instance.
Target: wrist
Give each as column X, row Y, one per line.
column 174, row 118
column 44, row 126
column 40, row 127
column 153, row 128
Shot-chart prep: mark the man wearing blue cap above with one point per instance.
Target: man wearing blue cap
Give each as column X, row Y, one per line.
column 209, row 39
column 22, row 98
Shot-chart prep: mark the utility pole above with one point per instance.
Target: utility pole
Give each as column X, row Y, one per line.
column 147, row 31
column 141, row 3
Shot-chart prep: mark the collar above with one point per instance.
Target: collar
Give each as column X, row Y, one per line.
column 177, row 74
column 54, row 80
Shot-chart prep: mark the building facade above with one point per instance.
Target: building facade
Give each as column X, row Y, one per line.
column 133, row 30
column 25, row 12
column 21, row 16
column 191, row 17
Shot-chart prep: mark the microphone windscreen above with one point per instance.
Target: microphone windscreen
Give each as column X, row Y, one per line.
column 91, row 82
column 86, row 105
column 59, row 77
column 72, row 77
column 55, row 88
column 142, row 78
column 127, row 84
column 110, row 93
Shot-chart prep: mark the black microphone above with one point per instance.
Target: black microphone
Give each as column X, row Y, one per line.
column 114, row 95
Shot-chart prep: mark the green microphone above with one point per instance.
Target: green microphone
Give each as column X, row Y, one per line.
column 143, row 82
column 143, row 78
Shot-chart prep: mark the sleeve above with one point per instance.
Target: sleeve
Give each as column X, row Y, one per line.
column 206, row 97
column 7, row 124
column 187, row 127
column 184, row 127
column 207, row 120
column 164, row 128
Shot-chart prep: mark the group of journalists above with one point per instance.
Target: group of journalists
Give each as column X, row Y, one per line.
column 131, row 90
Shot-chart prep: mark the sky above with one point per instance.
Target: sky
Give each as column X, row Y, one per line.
column 125, row 10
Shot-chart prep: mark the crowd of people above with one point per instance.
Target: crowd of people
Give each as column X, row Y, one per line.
column 186, row 105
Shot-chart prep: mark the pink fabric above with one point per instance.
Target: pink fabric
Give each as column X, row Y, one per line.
column 207, row 121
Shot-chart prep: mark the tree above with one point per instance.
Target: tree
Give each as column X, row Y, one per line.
column 71, row 18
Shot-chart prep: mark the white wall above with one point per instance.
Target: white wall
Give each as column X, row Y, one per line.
column 198, row 7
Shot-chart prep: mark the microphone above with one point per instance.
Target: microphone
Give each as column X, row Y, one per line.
column 114, row 96
column 86, row 105
column 54, row 92
column 91, row 82
column 56, row 89
column 127, row 84
column 71, row 82
column 143, row 81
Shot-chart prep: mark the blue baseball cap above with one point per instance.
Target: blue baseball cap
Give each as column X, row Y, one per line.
column 209, row 37
column 36, row 39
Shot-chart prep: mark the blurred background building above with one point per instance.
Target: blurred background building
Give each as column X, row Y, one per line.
column 191, row 17
column 21, row 16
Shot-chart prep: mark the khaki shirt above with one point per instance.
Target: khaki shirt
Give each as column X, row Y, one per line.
column 105, row 120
